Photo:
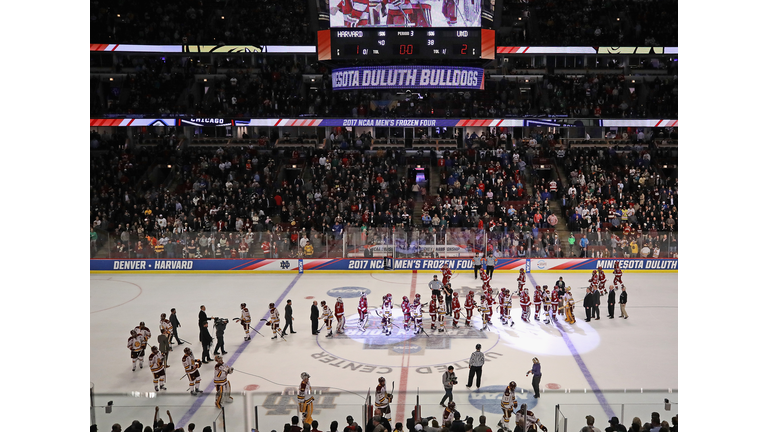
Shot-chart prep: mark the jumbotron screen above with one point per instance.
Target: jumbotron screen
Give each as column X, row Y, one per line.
column 407, row 13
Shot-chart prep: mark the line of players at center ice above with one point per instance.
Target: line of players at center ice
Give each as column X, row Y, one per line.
column 557, row 302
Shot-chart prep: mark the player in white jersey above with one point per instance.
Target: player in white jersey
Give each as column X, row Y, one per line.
column 441, row 313
column 191, row 367
column 166, row 327
column 134, row 344
column 508, row 307
column 327, row 317
column 274, row 320
column 306, row 400
column 508, row 404
column 483, row 310
column 245, row 321
column 144, row 335
column 157, row 366
column 223, row 388
column 386, row 314
column 416, row 314
column 527, row 420
column 383, row 399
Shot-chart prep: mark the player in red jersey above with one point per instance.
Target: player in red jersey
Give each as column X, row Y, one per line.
column 355, row 12
column 537, row 297
column 362, row 311
column 525, row 304
column 469, row 306
column 617, row 273
column 521, row 282
column 433, row 310
column 456, row 309
column 447, row 274
column 339, row 312
column 405, row 306
column 601, row 280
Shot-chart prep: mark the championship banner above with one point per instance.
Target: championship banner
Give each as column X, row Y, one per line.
column 552, row 265
column 408, row 77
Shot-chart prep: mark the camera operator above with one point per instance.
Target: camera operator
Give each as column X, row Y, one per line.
column 220, row 324
column 449, row 380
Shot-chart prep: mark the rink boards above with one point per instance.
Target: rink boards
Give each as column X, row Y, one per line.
column 377, row 264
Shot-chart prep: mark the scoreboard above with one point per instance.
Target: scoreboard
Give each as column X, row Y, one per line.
column 406, row 43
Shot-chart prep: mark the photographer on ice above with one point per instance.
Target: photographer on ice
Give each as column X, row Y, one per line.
column 449, row 380
column 220, row 324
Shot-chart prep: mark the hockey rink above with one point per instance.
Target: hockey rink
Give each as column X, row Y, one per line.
column 603, row 368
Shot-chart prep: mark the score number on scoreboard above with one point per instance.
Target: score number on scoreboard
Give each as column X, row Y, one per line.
column 405, row 43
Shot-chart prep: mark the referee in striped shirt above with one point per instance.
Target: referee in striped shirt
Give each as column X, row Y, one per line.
column 476, row 361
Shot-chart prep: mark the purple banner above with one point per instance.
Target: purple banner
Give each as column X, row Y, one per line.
column 390, row 122
column 410, row 77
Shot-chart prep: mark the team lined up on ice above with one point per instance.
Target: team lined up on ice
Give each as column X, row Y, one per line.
column 558, row 301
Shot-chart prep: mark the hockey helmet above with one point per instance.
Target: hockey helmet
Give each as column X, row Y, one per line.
column 512, row 385
column 188, row 351
column 322, row 302
column 405, row 298
column 382, row 380
column 242, row 305
column 304, row 376
column 271, row 305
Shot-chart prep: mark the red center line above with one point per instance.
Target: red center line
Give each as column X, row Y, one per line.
column 404, row 365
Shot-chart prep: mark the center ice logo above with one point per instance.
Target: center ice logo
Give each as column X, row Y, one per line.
column 348, row 292
column 489, row 398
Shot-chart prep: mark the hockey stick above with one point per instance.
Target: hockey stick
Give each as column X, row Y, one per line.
column 256, row 330
column 388, row 319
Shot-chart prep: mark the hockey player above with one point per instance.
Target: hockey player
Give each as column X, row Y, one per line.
column 383, row 399
column 447, row 274
column 157, row 366
column 191, row 366
column 144, row 335
column 593, row 280
column 486, row 280
column 245, row 321
column 525, row 304
column 223, row 388
column 274, row 320
column 508, row 308
column 448, row 414
column 520, row 282
column 469, row 306
column 527, row 421
column 483, row 310
column 449, row 11
column 405, row 306
column 537, row 297
column 362, row 311
column 554, row 302
column 568, row 305
column 456, row 309
column 508, row 404
column 166, row 327
column 134, row 344
column 341, row 320
column 416, row 314
column 306, row 400
column 399, row 13
column 386, row 314
column 355, row 12
column 617, row 273
column 433, row 310
column 601, row 280
column 441, row 313
column 327, row 317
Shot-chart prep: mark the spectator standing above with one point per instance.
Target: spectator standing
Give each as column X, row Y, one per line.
column 615, row 426
column 351, row 425
column 476, row 361
column 314, row 316
column 623, row 302
column 449, row 379
column 482, row 427
column 536, row 371
column 590, row 427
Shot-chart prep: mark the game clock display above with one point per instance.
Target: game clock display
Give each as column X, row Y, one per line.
column 425, row 43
